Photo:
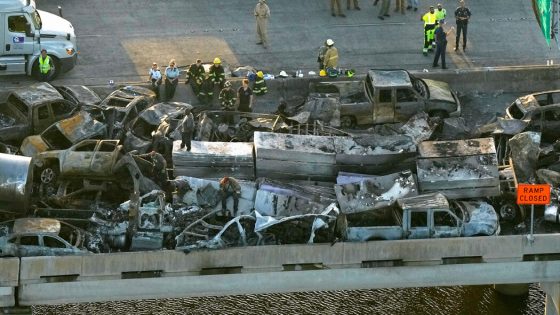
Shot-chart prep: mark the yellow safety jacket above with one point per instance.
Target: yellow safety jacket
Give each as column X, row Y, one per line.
column 429, row 18
column 44, row 64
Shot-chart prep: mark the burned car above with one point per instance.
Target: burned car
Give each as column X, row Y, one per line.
column 423, row 216
column 122, row 106
column 235, row 126
column 31, row 110
column 40, row 237
column 540, row 111
column 139, row 137
column 84, row 97
column 63, row 134
column 384, row 96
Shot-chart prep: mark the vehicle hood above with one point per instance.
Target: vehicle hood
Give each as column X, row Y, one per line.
column 132, row 142
column 83, row 94
column 33, row 145
column 439, row 91
column 481, row 218
column 55, row 25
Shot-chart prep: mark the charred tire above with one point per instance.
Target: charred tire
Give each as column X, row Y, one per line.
column 48, row 174
column 510, row 212
column 439, row 114
column 55, row 70
column 347, row 122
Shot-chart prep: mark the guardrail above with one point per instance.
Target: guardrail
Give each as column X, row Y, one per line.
column 160, row 274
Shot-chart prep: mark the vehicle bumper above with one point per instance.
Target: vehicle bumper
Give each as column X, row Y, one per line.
column 67, row 64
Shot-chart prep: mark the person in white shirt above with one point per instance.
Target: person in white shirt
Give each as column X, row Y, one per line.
column 171, row 79
column 155, row 78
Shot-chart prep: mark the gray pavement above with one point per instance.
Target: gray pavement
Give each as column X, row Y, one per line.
column 118, row 40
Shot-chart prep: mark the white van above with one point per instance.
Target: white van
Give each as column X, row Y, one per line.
column 25, row 31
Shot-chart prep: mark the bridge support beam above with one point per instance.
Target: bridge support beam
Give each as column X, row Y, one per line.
column 552, row 289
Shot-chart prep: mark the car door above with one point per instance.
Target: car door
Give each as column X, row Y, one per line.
column 42, row 118
column 407, row 103
column 104, row 158
column 76, row 161
column 445, row 224
column 29, row 245
column 16, row 41
column 418, row 224
column 384, row 107
column 56, row 246
column 550, row 123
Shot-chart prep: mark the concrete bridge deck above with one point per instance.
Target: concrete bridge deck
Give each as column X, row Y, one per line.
column 286, row 268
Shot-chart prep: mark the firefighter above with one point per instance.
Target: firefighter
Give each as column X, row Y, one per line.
column 217, row 73
column 429, row 27
column 229, row 187
column 259, row 88
column 206, row 93
column 159, row 167
column 195, row 76
column 227, row 97
column 331, row 56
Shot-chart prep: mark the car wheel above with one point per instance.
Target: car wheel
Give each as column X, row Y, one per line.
column 511, row 212
column 48, row 175
column 55, row 70
column 347, row 122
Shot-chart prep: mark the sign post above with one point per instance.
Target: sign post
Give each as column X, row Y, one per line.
column 533, row 194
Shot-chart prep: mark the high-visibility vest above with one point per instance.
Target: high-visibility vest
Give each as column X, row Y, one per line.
column 44, row 64
column 440, row 15
column 260, row 87
column 429, row 18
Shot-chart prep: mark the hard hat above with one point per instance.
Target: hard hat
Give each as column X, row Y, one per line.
column 283, row 74
column 260, row 74
column 217, row 60
column 330, row 42
column 227, row 84
column 323, row 73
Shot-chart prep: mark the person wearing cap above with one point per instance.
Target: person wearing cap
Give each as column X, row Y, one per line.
column 321, row 58
column 259, row 88
column 338, row 8
column 187, row 129
column 155, row 78
column 229, row 187
column 45, row 65
column 441, row 13
column 217, row 73
column 429, row 27
column 441, row 44
column 331, row 56
column 171, row 79
column 262, row 13
column 462, row 16
column 195, row 76
column 355, row 2
column 384, row 9
column 227, row 97
column 160, row 135
column 245, row 97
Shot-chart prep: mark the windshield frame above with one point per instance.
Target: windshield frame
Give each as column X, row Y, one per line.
column 36, row 19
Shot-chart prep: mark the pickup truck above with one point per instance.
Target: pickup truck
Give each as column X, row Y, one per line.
column 426, row 216
column 388, row 96
column 29, row 111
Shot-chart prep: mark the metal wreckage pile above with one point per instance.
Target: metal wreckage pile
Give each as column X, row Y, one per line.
column 81, row 160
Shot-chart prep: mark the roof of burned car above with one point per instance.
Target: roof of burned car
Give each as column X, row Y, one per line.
column 427, row 201
column 389, row 78
column 36, row 225
column 37, row 94
column 153, row 114
column 84, row 94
